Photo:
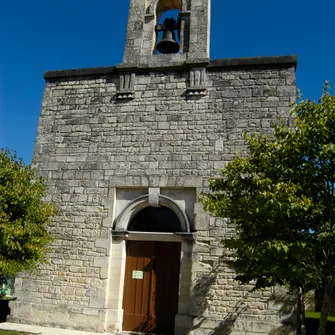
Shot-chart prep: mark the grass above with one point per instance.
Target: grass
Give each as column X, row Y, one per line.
column 312, row 320
column 316, row 315
column 13, row 332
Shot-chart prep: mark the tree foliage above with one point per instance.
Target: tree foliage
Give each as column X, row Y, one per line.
column 24, row 216
column 281, row 198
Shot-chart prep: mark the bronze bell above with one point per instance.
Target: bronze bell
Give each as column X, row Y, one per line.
column 168, row 44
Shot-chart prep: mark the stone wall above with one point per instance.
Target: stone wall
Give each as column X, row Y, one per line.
column 90, row 143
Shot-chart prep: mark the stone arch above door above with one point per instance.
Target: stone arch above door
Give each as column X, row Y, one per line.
column 122, row 221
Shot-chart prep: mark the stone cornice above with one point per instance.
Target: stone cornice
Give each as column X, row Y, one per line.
column 271, row 61
column 255, row 61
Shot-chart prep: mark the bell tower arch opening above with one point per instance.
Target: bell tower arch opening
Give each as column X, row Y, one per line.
column 168, row 26
column 168, row 32
column 179, row 28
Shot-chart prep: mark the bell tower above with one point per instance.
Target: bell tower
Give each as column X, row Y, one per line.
column 154, row 38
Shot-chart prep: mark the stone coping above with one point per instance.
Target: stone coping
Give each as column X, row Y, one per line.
column 255, row 61
column 268, row 61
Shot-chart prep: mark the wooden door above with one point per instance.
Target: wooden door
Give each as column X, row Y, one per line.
column 150, row 300
column 167, row 270
column 137, row 315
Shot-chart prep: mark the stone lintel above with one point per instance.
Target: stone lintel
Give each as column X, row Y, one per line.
column 272, row 61
column 120, row 234
column 152, row 236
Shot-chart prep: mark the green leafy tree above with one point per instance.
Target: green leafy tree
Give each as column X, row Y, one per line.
column 281, row 198
column 24, row 216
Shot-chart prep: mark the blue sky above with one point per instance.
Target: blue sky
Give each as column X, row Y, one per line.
column 36, row 36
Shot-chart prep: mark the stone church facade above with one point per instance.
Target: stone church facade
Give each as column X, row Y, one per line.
column 127, row 151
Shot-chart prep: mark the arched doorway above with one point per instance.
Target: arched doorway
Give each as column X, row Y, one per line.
column 151, row 286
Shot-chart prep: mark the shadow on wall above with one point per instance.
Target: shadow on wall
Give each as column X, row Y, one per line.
column 287, row 305
column 227, row 324
column 203, row 292
column 201, row 295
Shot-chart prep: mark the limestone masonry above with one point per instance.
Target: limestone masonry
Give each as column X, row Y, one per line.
column 149, row 132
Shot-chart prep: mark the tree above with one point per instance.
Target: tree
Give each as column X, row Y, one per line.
column 24, row 216
column 281, row 198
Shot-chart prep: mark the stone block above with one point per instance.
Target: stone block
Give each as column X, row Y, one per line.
column 100, row 262
column 104, row 273
column 201, row 222
column 91, row 311
column 103, row 243
column 97, row 302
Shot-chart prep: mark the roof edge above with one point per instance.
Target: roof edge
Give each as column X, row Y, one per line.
column 255, row 61
column 273, row 61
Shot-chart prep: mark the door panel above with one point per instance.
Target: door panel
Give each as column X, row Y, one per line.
column 167, row 269
column 136, row 300
column 150, row 299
